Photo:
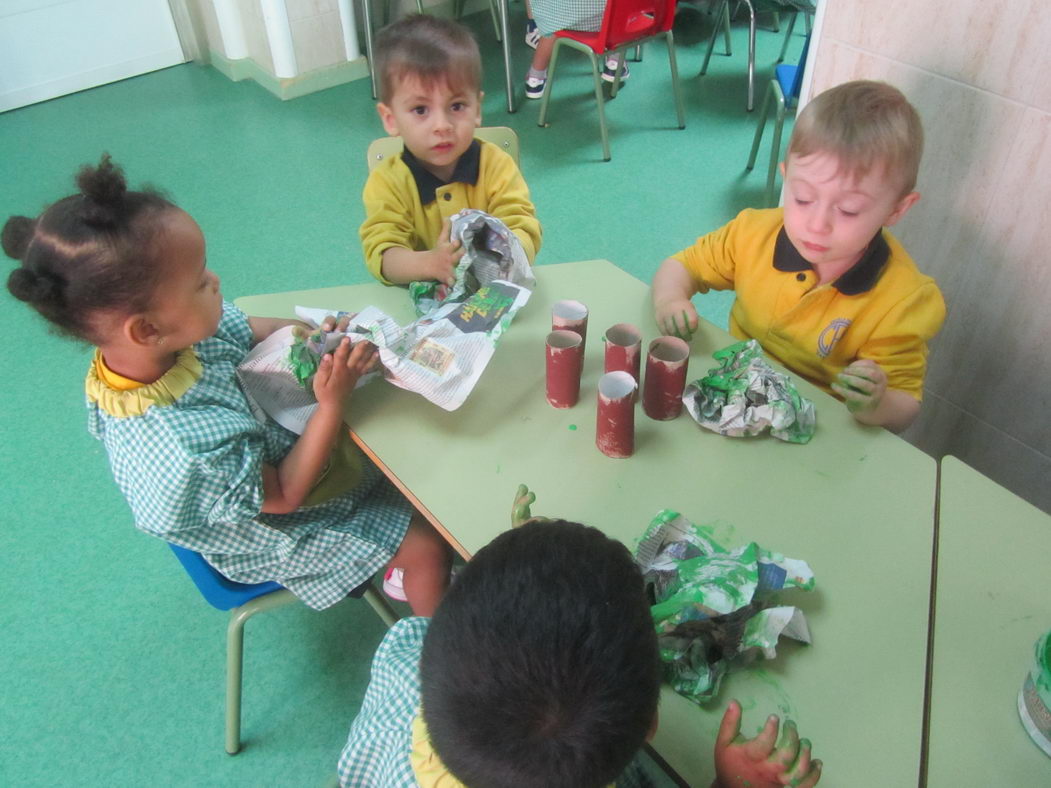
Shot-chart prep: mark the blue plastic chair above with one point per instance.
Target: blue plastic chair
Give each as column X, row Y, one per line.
column 784, row 89
column 244, row 601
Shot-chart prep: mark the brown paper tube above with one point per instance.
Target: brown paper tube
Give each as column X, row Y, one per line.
column 623, row 349
column 565, row 360
column 666, row 364
column 570, row 316
column 615, row 429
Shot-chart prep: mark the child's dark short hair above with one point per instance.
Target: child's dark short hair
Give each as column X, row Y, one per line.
column 540, row 667
column 87, row 253
column 428, row 48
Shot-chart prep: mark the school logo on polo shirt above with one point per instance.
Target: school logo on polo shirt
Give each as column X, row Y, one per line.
column 828, row 338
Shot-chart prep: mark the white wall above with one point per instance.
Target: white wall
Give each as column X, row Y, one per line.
column 978, row 74
column 52, row 47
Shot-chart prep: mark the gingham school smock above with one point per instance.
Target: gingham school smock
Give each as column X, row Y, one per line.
column 377, row 751
column 192, row 473
column 554, row 15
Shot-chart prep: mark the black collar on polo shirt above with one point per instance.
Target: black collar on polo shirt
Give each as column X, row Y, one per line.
column 859, row 279
column 466, row 171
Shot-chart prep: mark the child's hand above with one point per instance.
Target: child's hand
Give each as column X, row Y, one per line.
column 862, row 386
column 520, row 512
column 338, row 372
column 443, row 258
column 758, row 762
column 520, row 509
column 677, row 318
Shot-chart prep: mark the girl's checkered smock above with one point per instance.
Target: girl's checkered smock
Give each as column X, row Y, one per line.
column 377, row 751
column 554, row 15
column 192, row 474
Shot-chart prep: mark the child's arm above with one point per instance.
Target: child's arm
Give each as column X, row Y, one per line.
column 262, row 327
column 671, row 291
column 759, row 762
column 508, row 200
column 863, row 386
column 288, row 485
column 401, row 265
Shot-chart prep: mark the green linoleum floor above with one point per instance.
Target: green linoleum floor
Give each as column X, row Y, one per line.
column 111, row 670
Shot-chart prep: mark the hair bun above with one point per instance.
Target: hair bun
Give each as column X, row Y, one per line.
column 104, row 188
column 17, row 233
column 32, row 287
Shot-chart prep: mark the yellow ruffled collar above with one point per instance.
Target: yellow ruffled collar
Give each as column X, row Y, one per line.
column 427, row 767
column 109, row 391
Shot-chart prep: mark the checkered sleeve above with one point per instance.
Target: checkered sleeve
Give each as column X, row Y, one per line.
column 186, row 475
column 234, row 327
column 377, row 751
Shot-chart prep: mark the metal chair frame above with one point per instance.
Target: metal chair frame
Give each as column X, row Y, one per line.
column 244, row 601
column 563, row 37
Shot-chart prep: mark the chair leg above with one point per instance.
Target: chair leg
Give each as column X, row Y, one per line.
column 494, row 13
column 775, row 146
column 366, row 13
column 760, row 126
column 722, row 13
column 234, row 658
column 615, row 87
column 542, row 120
column 676, row 90
column 726, row 29
column 602, row 101
column 380, row 606
column 788, row 37
column 751, row 55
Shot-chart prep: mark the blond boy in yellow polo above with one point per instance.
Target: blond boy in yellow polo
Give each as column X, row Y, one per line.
column 820, row 283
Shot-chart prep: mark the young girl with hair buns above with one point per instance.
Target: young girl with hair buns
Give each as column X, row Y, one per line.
column 125, row 270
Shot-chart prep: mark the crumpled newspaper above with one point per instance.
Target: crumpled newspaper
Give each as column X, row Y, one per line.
column 491, row 252
column 713, row 606
column 744, row 396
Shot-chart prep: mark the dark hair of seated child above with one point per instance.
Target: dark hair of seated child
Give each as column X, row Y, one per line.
column 541, row 667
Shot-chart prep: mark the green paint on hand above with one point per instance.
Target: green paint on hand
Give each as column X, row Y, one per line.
column 572, row 427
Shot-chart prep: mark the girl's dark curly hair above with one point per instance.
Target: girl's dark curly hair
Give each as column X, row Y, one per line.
column 91, row 252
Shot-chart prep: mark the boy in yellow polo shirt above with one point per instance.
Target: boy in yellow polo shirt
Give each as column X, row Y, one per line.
column 820, row 283
column 430, row 76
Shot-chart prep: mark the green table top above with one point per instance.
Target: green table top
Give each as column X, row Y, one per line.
column 857, row 503
column 990, row 608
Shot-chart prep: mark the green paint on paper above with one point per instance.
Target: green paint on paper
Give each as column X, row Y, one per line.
column 572, row 427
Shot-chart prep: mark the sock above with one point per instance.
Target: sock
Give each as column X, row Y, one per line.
column 535, row 74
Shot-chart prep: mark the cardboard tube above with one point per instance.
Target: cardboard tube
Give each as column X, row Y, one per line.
column 615, row 428
column 623, row 349
column 565, row 360
column 666, row 364
column 570, row 316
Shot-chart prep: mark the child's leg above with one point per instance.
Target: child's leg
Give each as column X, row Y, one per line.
column 425, row 558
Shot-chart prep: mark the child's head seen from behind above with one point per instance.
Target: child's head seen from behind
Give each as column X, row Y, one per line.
column 430, row 77
column 541, row 667
column 850, row 169
column 93, row 261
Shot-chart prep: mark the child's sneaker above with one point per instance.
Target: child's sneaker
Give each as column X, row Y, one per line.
column 532, row 36
column 392, row 585
column 535, row 87
column 609, row 71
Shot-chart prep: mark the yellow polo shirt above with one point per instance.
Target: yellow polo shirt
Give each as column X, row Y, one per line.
column 882, row 309
column 405, row 204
